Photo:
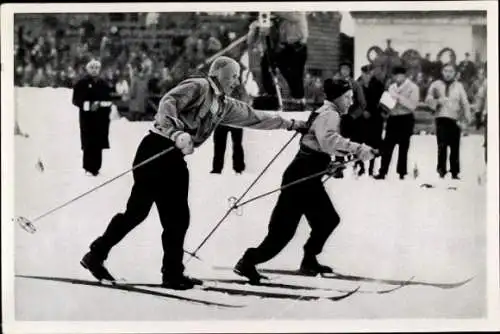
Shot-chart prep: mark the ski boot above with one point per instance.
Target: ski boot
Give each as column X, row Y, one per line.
column 95, row 265
column 179, row 282
column 311, row 267
column 248, row 270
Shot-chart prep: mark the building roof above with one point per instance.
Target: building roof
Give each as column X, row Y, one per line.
column 418, row 14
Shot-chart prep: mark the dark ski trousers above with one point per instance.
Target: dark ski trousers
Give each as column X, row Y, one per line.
column 220, row 141
column 92, row 160
column 163, row 181
column 448, row 135
column 308, row 198
column 374, row 126
column 399, row 130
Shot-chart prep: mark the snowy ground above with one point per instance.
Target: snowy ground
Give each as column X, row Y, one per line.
column 390, row 230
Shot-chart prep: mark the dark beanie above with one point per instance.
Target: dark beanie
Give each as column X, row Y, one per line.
column 399, row 70
column 335, row 88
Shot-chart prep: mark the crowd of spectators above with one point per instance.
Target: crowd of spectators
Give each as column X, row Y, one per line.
column 47, row 60
column 51, row 59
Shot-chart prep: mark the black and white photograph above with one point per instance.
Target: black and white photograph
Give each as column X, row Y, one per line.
column 231, row 167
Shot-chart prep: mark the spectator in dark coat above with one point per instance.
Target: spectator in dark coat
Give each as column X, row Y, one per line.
column 467, row 71
column 375, row 119
column 363, row 123
column 92, row 96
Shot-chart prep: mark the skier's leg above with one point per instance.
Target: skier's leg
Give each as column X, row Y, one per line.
column 138, row 205
column 284, row 221
column 323, row 219
column 171, row 198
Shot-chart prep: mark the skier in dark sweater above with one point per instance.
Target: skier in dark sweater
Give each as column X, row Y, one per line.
column 187, row 116
column 308, row 198
column 92, row 95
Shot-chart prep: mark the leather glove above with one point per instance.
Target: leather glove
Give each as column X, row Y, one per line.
column 336, row 167
column 299, row 126
column 184, row 142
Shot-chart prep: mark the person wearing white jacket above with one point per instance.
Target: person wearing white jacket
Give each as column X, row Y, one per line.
column 399, row 127
column 448, row 98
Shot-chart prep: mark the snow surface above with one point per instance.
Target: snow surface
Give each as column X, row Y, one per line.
column 390, row 229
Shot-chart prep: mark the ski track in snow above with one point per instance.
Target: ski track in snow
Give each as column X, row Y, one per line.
column 390, row 229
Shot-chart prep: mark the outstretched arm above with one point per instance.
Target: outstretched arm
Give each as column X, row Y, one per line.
column 240, row 114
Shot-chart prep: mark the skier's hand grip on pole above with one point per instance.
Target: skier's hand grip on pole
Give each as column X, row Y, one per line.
column 335, row 167
column 299, row 126
column 184, row 142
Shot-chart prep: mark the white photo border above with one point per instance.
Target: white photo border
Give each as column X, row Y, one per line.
column 492, row 320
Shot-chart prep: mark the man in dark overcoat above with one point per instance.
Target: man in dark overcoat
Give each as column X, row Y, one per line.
column 92, row 96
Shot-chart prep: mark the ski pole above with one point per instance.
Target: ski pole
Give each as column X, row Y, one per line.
column 28, row 224
column 234, row 44
column 273, row 71
column 195, row 252
column 329, row 171
column 236, row 206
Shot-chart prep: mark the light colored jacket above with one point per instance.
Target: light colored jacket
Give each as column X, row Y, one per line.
column 324, row 134
column 197, row 106
column 407, row 95
column 455, row 105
